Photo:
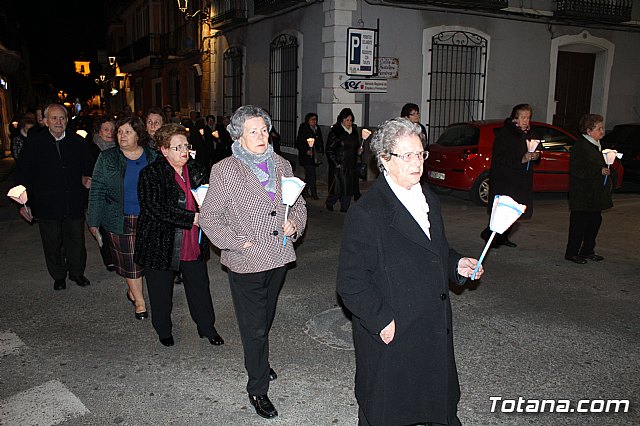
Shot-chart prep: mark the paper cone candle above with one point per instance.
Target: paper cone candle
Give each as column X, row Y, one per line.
column 18, row 194
column 215, row 134
column 504, row 213
column 366, row 133
column 609, row 155
column 532, row 144
column 311, row 141
column 291, row 189
column 199, row 193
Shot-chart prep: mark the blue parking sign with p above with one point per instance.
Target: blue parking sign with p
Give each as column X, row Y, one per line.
column 361, row 45
column 355, row 45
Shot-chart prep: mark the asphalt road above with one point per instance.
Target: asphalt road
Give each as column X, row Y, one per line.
column 536, row 327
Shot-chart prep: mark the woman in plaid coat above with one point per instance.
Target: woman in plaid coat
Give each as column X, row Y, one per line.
column 243, row 216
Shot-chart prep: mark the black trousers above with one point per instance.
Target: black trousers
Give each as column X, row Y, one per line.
column 196, row 288
column 63, row 245
column 255, row 297
column 363, row 421
column 310, row 179
column 583, row 230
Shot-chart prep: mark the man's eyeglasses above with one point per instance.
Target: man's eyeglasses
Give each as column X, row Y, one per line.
column 181, row 148
column 410, row 156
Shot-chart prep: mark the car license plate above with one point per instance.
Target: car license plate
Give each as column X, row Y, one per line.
column 436, row 175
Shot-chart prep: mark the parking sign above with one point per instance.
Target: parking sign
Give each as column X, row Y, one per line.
column 361, row 51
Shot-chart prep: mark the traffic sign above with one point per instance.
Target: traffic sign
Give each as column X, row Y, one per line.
column 361, row 51
column 364, row 86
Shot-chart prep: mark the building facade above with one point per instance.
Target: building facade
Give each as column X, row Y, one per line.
column 458, row 60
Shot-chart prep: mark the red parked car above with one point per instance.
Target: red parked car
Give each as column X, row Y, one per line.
column 461, row 159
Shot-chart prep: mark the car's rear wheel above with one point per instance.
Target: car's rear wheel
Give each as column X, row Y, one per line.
column 479, row 192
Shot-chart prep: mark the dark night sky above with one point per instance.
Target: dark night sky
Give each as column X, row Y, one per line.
column 59, row 32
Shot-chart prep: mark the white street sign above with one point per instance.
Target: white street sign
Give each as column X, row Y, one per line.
column 388, row 68
column 365, row 86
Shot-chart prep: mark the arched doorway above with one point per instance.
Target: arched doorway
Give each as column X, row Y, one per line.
column 579, row 78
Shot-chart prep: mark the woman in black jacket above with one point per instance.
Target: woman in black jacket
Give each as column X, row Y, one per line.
column 510, row 173
column 589, row 193
column 309, row 131
column 169, row 238
column 343, row 149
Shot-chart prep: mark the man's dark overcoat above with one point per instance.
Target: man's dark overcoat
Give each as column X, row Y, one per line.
column 390, row 270
column 54, row 181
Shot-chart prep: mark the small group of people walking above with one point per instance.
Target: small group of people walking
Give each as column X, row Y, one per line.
column 589, row 191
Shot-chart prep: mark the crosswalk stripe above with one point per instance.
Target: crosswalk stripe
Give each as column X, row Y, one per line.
column 10, row 343
column 48, row 404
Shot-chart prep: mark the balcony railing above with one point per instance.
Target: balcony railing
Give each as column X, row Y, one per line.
column 267, row 7
column 466, row 4
column 181, row 42
column 599, row 10
column 148, row 45
column 228, row 14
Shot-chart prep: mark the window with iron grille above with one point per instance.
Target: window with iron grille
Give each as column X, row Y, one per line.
column 458, row 78
column 283, row 87
column 232, row 76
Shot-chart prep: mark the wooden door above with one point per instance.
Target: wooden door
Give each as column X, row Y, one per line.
column 574, row 80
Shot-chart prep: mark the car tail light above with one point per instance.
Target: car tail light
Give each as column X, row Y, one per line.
column 469, row 154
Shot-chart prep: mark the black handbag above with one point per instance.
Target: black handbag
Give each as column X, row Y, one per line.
column 361, row 169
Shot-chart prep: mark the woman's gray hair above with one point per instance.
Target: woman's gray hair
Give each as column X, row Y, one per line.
column 385, row 138
column 242, row 114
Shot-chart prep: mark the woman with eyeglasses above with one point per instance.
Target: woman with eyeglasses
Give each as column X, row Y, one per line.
column 394, row 270
column 170, row 240
column 343, row 148
column 411, row 112
column 114, row 206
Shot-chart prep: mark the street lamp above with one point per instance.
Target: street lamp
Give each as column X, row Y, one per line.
column 183, row 5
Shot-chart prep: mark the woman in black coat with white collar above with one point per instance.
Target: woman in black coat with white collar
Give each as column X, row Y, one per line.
column 168, row 235
column 394, row 270
column 343, row 149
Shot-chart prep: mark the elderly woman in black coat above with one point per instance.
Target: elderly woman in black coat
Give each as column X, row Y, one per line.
column 343, row 149
column 309, row 143
column 168, row 235
column 589, row 194
column 511, row 173
column 394, row 269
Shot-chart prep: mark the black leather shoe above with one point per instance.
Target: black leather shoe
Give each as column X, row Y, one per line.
column 272, row 375
column 329, row 207
column 111, row 267
column 81, row 280
column 143, row 315
column 264, row 407
column 594, row 257
column 576, row 259
column 216, row 340
column 60, row 284
column 508, row 243
column 167, row 341
column 178, row 279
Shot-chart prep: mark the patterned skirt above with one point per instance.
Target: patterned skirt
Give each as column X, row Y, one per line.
column 122, row 247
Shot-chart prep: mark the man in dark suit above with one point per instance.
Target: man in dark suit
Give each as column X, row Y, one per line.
column 55, row 167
